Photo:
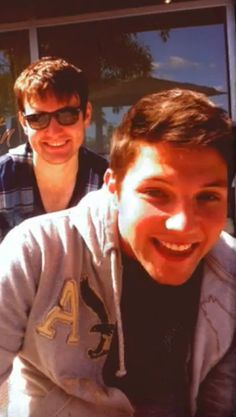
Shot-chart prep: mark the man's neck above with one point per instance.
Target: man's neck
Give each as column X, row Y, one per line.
column 56, row 182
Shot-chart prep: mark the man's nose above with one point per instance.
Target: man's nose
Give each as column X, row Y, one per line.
column 181, row 221
column 54, row 124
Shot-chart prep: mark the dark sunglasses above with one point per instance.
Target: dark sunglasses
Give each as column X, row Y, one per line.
column 65, row 116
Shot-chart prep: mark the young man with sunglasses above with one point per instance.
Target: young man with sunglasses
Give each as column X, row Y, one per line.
column 126, row 304
column 52, row 171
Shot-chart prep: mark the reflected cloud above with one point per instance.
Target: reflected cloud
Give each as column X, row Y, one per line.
column 176, row 63
column 220, row 87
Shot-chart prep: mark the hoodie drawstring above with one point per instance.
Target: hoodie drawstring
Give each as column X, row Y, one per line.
column 114, row 267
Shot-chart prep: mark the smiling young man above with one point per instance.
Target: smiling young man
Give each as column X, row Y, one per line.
column 52, row 171
column 135, row 288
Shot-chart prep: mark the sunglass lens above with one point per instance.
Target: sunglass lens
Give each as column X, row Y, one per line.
column 67, row 116
column 38, row 120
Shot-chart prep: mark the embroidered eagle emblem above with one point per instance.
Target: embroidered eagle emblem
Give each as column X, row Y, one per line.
column 105, row 328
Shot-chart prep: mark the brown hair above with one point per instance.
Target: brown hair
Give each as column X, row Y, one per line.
column 51, row 75
column 179, row 117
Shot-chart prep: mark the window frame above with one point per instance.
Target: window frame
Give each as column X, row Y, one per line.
column 229, row 5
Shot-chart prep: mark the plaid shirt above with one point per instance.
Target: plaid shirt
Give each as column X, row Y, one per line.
column 19, row 193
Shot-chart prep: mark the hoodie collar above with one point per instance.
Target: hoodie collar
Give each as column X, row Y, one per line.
column 96, row 219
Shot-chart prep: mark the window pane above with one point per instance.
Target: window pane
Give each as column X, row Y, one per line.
column 14, row 56
column 127, row 58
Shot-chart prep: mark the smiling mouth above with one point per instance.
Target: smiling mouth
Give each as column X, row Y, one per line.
column 56, row 144
column 175, row 249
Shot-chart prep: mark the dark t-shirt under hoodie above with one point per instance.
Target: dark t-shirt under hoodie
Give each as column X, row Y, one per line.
column 158, row 322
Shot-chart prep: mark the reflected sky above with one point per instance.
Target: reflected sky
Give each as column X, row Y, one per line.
column 195, row 55
column 191, row 54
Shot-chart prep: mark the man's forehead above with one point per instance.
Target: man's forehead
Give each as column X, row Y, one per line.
column 51, row 98
column 163, row 152
column 164, row 159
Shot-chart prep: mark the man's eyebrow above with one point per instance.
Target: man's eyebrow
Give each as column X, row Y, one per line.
column 157, row 179
column 216, row 183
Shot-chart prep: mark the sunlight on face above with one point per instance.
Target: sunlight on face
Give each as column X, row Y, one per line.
column 172, row 208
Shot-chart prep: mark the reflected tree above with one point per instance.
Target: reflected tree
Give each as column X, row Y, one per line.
column 106, row 56
column 121, row 57
column 12, row 61
column 7, row 106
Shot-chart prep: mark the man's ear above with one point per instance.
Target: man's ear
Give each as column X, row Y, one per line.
column 110, row 181
column 88, row 114
column 23, row 122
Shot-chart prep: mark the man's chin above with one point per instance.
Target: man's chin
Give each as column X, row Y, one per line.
column 177, row 281
column 172, row 277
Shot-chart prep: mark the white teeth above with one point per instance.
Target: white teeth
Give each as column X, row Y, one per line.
column 176, row 247
column 55, row 144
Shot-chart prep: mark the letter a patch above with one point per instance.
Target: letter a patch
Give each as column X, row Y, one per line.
column 66, row 312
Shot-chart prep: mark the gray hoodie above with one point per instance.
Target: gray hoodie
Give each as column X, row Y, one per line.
column 60, row 287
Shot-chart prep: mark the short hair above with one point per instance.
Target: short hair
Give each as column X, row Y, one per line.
column 177, row 116
column 51, row 75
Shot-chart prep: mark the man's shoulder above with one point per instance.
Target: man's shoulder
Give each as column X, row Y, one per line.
column 47, row 227
column 222, row 256
column 15, row 168
column 20, row 154
column 92, row 160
